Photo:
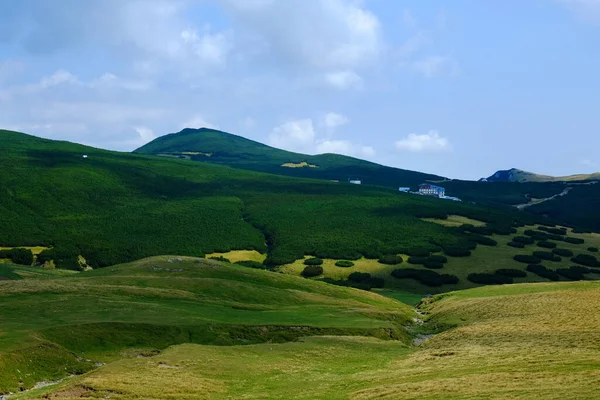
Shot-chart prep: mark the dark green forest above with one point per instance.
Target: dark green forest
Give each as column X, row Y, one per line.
column 114, row 207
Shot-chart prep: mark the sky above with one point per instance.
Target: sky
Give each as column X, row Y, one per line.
column 458, row 88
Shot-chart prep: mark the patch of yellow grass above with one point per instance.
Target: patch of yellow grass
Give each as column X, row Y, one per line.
column 455, row 220
column 196, row 153
column 240, row 255
column 330, row 270
column 303, row 164
column 35, row 249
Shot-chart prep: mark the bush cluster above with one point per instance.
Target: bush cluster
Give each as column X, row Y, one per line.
column 513, row 273
column 344, row 264
column 418, row 252
column 18, row 256
column 553, row 230
column 573, row 240
column 546, row 255
column 457, row 251
column 527, row 259
column 252, row 264
column 593, row 249
column 483, row 240
column 536, row 235
column 575, row 273
column 586, row 259
column 366, row 278
column 516, row 245
column 390, row 259
column 544, row 272
column 312, row 271
column 523, row 239
column 417, row 260
column 220, row 258
column 563, row 252
column 490, row 279
column 547, row 245
column 426, row 277
column 313, row 261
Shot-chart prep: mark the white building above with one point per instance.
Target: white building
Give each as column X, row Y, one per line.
column 355, row 181
column 404, row 189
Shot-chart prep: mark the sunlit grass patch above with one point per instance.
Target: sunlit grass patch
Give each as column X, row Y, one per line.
column 455, row 220
column 240, row 255
column 302, row 164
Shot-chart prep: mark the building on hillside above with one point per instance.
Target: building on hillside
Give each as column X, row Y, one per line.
column 355, row 181
column 404, row 189
column 427, row 189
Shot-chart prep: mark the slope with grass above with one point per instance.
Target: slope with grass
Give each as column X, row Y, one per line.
column 519, row 342
column 50, row 328
column 114, row 207
column 518, row 175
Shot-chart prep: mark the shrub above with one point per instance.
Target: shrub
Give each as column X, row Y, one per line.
column 544, row 272
column 426, row 277
column 586, row 259
column 546, row 255
column 516, row 245
column 489, row 279
column 536, row 235
column 483, row 240
column 18, row 256
column 341, row 282
column 513, row 273
column 457, row 252
column 438, row 258
column 390, row 259
column 563, row 252
column 251, row 264
column 366, row 279
column 574, row 273
column 527, row 259
column 220, row 258
column 558, row 238
column 417, row 260
column 547, row 245
column 523, row 239
column 418, row 252
column 344, row 264
column 553, row 230
column 313, row 261
column 359, row 277
column 573, row 240
column 504, row 230
column 312, row 270
column 593, row 249
column 480, row 230
column 431, row 264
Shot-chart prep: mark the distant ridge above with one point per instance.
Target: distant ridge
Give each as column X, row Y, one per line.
column 217, row 147
column 517, row 175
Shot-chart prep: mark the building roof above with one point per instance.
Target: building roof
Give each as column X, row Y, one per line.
column 432, row 186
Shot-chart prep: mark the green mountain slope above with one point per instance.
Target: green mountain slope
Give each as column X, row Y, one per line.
column 218, row 147
column 517, row 175
column 114, row 207
column 138, row 309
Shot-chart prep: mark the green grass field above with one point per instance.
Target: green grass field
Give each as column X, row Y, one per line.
column 531, row 341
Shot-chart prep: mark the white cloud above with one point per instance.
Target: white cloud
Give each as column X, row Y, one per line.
column 209, row 47
column 196, row 122
column 58, row 78
column 300, row 136
column 334, row 120
column 343, row 80
column 327, row 34
column 436, row 66
column 428, row 142
column 296, row 135
column 146, row 134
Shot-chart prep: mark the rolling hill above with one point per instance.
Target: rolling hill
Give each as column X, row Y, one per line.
column 208, row 331
column 213, row 146
column 517, row 175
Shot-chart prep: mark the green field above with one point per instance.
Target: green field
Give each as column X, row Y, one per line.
column 531, row 341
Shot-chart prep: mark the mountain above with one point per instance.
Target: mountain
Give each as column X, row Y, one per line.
column 517, row 175
column 213, row 146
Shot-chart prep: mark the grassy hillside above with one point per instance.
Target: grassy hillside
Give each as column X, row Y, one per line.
column 50, row 328
column 518, row 342
column 218, row 147
column 114, row 207
column 518, row 175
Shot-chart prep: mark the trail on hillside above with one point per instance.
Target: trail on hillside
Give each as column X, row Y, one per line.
column 540, row 201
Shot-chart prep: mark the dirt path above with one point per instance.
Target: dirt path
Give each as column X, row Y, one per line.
column 563, row 193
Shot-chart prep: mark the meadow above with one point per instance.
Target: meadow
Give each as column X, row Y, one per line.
column 526, row 341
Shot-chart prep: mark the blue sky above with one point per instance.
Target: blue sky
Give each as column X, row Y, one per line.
column 459, row 88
